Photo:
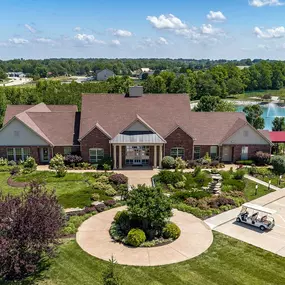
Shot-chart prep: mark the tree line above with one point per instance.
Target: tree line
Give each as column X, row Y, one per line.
column 59, row 67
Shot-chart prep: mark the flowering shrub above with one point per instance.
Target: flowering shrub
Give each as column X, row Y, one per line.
column 30, row 163
column 262, row 158
column 168, row 162
column 71, row 159
column 56, row 162
column 118, row 179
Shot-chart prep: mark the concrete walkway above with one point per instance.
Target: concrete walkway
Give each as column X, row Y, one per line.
column 93, row 237
column 258, row 181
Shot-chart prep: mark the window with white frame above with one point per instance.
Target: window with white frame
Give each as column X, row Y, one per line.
column 177, row 152
column 96, row 154
column 213, row 151
column 67, row 150
column 17, row 153
column 197, row 152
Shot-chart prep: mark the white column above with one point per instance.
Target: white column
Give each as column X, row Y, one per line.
column 120, row 157
column 115, row 156
column 155, row 157
column 160, row 156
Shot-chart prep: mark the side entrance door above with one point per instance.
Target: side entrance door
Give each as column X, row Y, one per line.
column 244, row 153
column 227, row 153
column 44, row 152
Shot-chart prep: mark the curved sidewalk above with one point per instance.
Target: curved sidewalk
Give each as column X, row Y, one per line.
column 93, row 237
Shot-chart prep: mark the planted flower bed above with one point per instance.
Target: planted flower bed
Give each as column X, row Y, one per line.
column 146, row 221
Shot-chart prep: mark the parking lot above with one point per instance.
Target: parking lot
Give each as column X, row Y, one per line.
column 273, row 240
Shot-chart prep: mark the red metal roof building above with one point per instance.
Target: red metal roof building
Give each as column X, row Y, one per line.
column 277, row 137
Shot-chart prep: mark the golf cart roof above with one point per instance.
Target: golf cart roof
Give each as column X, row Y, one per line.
column 259, row 208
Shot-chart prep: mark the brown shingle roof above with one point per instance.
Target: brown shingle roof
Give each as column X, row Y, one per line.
column 57, row 124
column 13, row 110
column 114, row 112
column 213, row 127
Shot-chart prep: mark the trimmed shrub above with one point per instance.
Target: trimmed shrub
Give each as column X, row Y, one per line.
column 191, row 202
column 122, row 219
column 136, row 237
column 61, row 171
column 171, row 230
column 169, row 177
column 110, row 203
column 95, row 196
column 100, row 207
column 56, row 162
column 179, row 185
column 102, row 179
column 168, row 162
column 3, row 161
column 72, row 159
column 239, row 174
column 278, row 163
column 192, row 163
column 262, row 158
column 207, row 158
column 12, row 163
column 110, row 191
column 180, row 163
column 118, row 179
column 245, row 162
column 30, row 163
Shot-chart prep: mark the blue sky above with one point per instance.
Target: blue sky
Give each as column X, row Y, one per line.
column 214, row 29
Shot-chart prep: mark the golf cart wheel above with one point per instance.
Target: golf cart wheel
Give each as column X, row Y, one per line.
column 238, row 220
column 262, row 228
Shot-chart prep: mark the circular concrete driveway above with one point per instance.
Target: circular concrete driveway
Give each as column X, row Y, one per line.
column 93, row 237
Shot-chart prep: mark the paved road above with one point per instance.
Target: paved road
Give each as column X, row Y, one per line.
column 93, row 237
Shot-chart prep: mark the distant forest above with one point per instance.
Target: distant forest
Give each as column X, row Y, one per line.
column 60, row 67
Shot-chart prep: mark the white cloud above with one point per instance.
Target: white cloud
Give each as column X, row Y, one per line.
column 45, row 41
column 30, row 28
column 77, row 29
column 216, row 16
column 115, row 43
column 162, row 41
column 166, row 22
column 18, row 41
column 261, row 3
column 278, row 32
column 88, row 39
column 121, row 33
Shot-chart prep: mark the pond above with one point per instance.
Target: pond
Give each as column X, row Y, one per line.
column 270, row 111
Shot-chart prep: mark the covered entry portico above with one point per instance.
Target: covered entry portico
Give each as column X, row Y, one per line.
column 133, row 149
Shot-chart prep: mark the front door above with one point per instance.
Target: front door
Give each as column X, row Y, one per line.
column 227, row 153
column 138, row 156
column 45, row 154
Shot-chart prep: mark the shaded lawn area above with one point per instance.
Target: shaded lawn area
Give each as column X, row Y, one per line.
column 71, row 190
column 228, row 261
column 249, row 190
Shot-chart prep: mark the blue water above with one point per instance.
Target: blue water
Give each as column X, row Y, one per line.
column 269, row 113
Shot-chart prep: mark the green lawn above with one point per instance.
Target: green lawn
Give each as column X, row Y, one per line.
column 274, row 180
column 228, row 261
column 249, row 190
column 71, row 190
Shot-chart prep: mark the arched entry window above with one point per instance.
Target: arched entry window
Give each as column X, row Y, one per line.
column 177, row 152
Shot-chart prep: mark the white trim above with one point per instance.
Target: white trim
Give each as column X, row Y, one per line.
column 22, row 152
column 96, row 149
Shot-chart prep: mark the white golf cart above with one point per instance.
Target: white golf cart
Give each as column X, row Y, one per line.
column 256, row 216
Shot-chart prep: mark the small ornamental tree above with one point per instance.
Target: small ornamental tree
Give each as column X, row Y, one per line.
column 149, row 206
column 30, row 225
column 57, row 164
column 109, row 276
column 278, row 163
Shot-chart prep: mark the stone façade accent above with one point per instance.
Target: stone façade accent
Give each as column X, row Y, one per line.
column 179, row 138
column 95, row 139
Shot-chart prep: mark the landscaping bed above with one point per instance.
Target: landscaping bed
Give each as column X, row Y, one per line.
column 192, row 192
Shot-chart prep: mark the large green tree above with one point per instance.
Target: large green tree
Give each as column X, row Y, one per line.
column 214, row 104
column 278, row 124
column 253, row 116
